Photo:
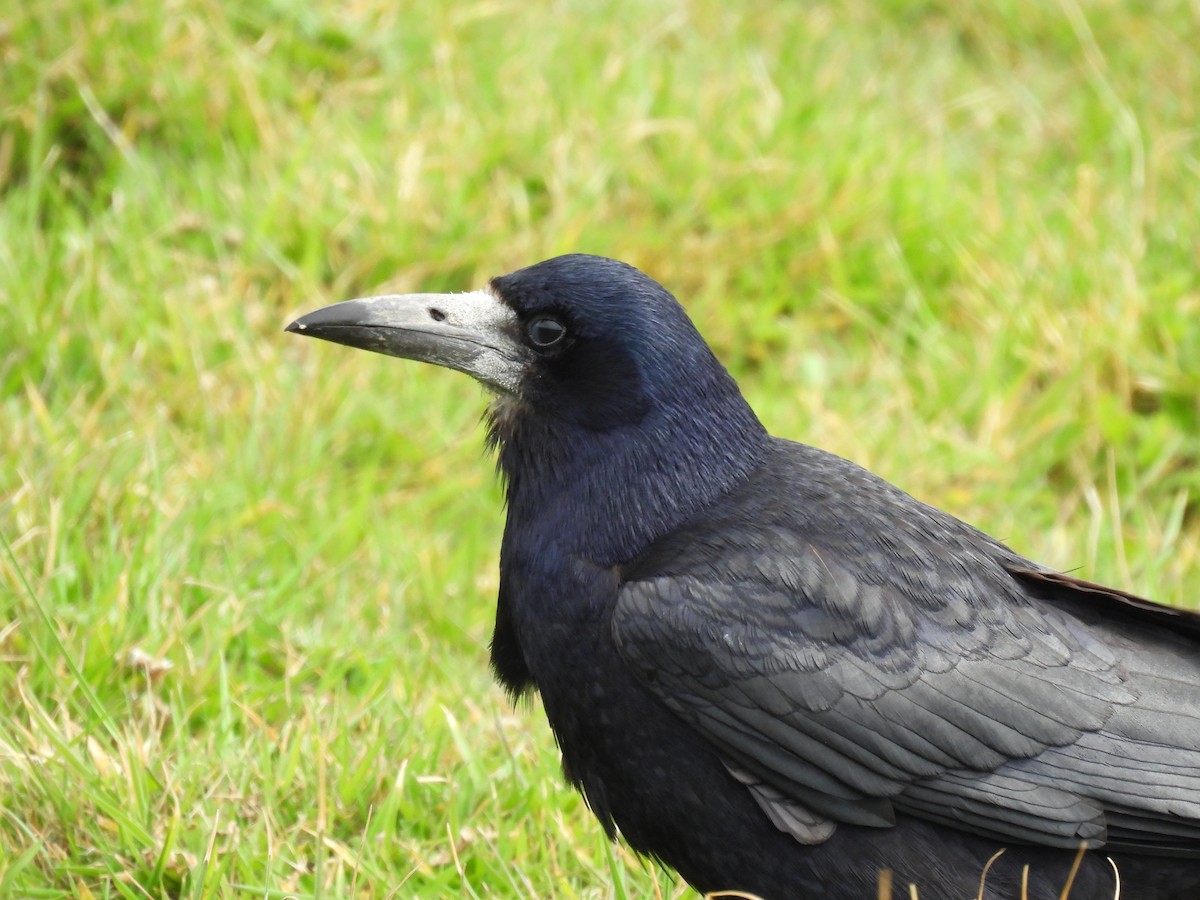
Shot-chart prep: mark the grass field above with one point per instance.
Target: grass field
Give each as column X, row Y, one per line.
column 246, row 580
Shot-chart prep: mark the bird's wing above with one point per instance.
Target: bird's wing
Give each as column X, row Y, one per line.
column 851, row 690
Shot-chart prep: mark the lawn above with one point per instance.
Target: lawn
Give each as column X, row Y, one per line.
column 246, row 580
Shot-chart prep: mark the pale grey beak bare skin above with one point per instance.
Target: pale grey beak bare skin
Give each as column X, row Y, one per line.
column 472, row 332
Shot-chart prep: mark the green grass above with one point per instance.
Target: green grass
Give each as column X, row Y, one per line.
column 956, row 242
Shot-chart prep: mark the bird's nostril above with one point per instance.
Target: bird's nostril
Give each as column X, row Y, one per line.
column 436, row 314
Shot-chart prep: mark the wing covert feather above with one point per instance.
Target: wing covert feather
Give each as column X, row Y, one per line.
column 913, row 674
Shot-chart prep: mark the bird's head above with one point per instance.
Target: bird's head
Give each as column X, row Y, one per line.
column 582, row 339
column 596, row 368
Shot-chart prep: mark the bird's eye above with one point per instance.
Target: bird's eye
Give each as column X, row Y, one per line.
column 545, row 332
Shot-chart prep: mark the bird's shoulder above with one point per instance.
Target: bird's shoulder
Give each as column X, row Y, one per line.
column 814, row 545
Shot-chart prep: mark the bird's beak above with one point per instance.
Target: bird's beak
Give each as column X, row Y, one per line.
column 474, row 333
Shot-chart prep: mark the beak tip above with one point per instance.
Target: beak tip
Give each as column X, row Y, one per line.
column 295, row 327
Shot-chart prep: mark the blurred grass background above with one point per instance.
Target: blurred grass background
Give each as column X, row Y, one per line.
column 246, row 581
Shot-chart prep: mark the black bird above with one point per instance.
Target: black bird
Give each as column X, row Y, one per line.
column 774, row 671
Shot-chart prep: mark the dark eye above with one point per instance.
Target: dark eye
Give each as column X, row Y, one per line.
column 545, row 332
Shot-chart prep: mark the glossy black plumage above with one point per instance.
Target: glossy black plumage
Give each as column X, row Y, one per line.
column 769, row 668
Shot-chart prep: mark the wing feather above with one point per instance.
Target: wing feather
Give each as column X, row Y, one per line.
column 856, row 653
